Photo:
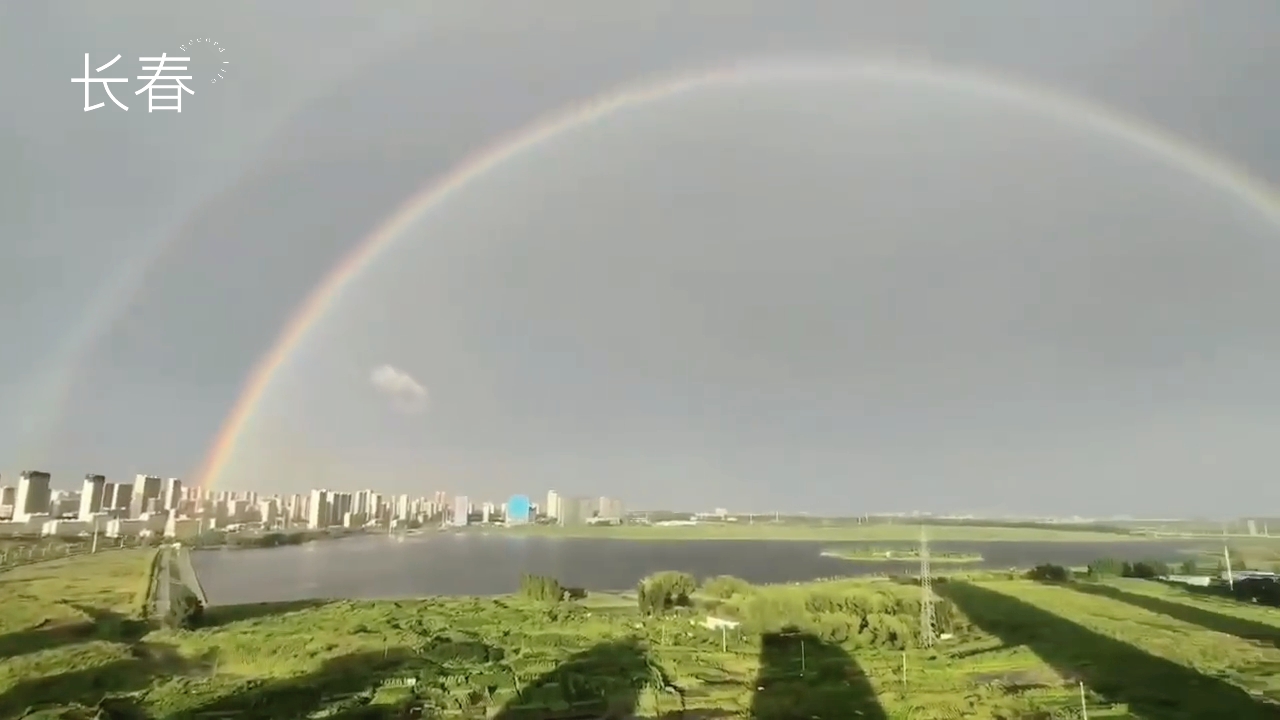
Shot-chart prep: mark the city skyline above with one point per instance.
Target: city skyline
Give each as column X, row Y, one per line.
column 34, row 500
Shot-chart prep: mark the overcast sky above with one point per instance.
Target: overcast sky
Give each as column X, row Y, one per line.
column 827, row 295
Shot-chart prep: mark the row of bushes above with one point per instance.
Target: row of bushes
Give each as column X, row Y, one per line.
column 1144, row 569
column 885, row 615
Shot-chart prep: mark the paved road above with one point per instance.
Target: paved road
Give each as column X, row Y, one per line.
column 187, row 574
column 164, row 581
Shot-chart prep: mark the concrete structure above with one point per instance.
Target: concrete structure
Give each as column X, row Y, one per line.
column 33, row 495
column 461, row 510
column 91, row 493
column 183, row 528
column 552, row 510
column 715, row 623
column 134, row 527
column 65, row 528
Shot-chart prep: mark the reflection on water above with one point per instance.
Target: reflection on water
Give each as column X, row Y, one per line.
column 381, row 566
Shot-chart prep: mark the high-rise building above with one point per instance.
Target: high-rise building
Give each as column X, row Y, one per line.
column 172, row 494
column 609, row 509
column 553, row 505
column 401, row 511
column 517, row 510
column 33, row 495
column 340, row 503
column 577, row 510
column 318, row 510
column 91, row 496
column 461, row 510
column 267, row 512
column 148, row 493
column 124, row 494
column 8, row 496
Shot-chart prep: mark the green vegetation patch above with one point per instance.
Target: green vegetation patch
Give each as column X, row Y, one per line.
column 1008, row 648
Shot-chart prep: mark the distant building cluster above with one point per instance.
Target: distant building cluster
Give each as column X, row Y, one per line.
column 155, row 505
column 150, row 504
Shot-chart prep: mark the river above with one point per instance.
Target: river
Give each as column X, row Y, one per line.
column 378, row 566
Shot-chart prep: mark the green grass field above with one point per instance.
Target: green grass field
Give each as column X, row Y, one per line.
column 69, row 639
column 834, row 532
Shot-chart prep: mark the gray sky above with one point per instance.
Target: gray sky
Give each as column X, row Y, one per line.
column 832, row 296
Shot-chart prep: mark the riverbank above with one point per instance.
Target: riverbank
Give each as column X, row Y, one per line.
column 874, row 555
column 820, row 533
column 1132, row 643
column 257, row 539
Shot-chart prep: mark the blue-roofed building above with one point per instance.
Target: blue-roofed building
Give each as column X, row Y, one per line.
column 518, row 509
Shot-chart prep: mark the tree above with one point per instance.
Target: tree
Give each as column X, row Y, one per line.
column 664, row 590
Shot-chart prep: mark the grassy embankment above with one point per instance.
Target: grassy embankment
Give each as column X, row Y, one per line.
column 816, row 532
column 882, row 555
column 1140, row 648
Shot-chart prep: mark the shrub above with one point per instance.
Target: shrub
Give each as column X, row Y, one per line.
column 1148, row 569
column 541, row 588
column 1049, row 572
column 186, row 611
column 725, row 586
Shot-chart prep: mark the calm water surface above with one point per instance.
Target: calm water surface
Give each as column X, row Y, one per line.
column 490, row 564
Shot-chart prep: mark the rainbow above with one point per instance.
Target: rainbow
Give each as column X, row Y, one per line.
column 1074, row 111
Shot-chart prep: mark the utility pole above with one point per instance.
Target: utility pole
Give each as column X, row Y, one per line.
column 1226, row 556
column 1084, row 708
column 927, row 619
column 94, row 549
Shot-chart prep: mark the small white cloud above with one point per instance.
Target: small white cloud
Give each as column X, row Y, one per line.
column 399, row 386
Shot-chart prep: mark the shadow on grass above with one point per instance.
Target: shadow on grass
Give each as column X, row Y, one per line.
column 604, row 681
column 342, row 687
column 218, row 615
column 1153, row 687
column 802, row 676
column 1207, row 619
column 89, row 686
column 101, row 625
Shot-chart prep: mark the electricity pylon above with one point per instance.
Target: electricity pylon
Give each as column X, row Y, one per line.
column 928, row 631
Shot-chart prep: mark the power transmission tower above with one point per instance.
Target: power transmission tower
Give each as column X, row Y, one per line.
column 927, row 628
